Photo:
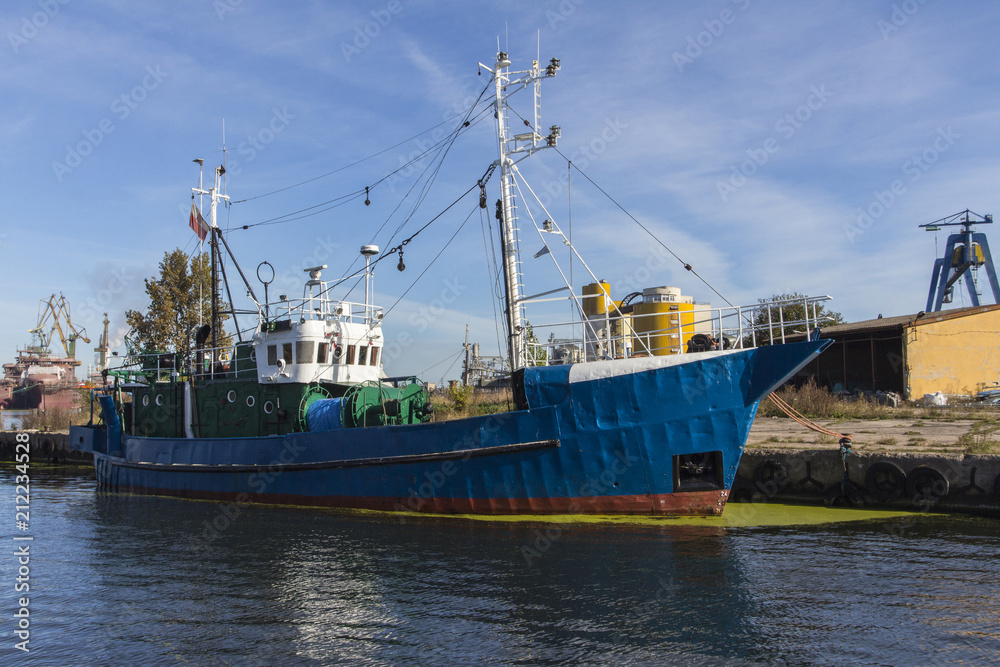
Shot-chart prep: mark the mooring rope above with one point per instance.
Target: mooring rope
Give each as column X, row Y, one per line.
column 798, row 417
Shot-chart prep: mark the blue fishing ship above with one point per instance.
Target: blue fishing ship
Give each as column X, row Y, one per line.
column 644, row 408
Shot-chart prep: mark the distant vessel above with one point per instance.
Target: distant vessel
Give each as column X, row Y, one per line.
column 627, row 418
column 38, row 378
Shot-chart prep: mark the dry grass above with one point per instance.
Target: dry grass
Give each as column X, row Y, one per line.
column 53, row 419
column 60, row 419
column 981, row 438
column 459, row 402
column 818, row 403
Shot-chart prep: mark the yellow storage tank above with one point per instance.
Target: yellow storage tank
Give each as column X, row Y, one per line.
column 663, row 321
column 596, row 305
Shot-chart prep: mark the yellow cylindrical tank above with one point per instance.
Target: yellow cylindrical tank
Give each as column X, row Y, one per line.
column 596, row 297
column 662, row 322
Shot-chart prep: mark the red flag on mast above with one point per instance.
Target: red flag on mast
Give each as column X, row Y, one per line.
column 198, row 224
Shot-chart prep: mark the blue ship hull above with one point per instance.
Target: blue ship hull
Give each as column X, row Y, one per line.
column 660, row 435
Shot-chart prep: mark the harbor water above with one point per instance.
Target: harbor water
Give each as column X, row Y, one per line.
column 129, row 580
column 11, row 419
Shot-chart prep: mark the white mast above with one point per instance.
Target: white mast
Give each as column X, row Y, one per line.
column 369, row 251
column 215, row 195
column 507, row 83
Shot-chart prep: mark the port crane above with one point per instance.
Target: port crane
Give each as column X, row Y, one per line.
column 964, row 253
column 55, row 309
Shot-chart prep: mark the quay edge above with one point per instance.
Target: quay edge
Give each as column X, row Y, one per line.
column 911, row 481
column 44, row 447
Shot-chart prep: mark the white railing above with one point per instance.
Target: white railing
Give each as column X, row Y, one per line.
column 218, row 362
column 321, row 308
column 616, row 335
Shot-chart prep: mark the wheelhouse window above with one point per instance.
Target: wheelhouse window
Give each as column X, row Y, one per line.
column 373, row 359
column 362, row 355
column 304, row 351
column 272, row 355
column 321, row 351
column 350, row 353
column 286, row 352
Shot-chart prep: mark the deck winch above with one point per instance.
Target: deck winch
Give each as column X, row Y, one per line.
column 374, row 403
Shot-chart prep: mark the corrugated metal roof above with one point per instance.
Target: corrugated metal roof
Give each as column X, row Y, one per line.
column 916, row 319
column 897, row 322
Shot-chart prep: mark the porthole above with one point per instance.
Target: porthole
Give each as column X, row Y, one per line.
column 159, row 399
column 268, row 407
column 145, row 400
column 250, row 401
column 231, row 396
column 253, row 355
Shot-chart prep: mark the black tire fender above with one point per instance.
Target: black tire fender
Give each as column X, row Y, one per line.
column 885, row 481
column 840, row 494
column 742, row 492
column 926, row 485
column 770, row 476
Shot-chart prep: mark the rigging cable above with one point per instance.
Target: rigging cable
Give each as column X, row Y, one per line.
column 413, row 210
column 330, row 204
column 399, row 247
column 645, row 229
column 348, row 166
column 445, row 149
column 429, row 368
column 417, row 279
column 491, row 269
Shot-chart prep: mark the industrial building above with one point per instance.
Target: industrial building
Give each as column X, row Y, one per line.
column 954, row 352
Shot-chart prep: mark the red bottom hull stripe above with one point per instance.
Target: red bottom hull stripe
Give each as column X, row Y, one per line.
column 681, row 503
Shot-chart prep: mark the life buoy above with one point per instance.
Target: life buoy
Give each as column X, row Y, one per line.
column 885, row 481
column 926, row 486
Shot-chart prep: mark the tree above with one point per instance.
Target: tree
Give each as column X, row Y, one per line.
column 769, row 317
column 535, row 354
column 180, row 301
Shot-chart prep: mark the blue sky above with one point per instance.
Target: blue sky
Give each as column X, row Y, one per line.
column 750, row 136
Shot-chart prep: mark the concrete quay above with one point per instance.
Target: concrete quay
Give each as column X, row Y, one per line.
column 916, row 464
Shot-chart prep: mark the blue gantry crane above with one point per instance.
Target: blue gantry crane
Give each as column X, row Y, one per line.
column 964, row 253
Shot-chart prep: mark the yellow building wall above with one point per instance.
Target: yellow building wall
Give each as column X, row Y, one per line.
column 953, row 356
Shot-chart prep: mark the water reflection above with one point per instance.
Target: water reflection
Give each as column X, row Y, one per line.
column 132, row 579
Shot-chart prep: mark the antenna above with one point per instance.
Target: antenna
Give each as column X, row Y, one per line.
column 225, row 181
